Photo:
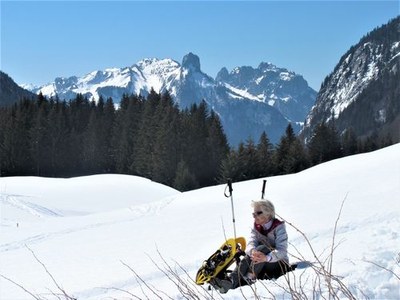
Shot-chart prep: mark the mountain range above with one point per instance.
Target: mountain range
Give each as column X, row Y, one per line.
column 248, row 100
column 361, row 95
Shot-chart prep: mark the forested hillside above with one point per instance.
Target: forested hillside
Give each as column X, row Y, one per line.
column 362, row 95
column 10, row 92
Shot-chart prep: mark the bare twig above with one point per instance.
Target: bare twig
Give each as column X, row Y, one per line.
column 333, row 244
column 141, row 280
column 122, row 290
column 20, row 286
column 383, row 268
column 320, row 269
column 62, row 295
column 318, row 283
column 51, row 276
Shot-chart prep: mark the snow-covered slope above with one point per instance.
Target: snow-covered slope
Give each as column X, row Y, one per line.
column 85, row 229
column 79, row 195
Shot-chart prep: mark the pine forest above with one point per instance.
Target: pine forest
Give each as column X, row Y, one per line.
column 151, row 137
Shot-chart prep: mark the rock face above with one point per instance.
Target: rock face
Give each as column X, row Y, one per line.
column 363, row 91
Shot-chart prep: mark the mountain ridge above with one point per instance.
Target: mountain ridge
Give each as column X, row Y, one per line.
column 10, row 91
column 362, row 93
column 268, row 106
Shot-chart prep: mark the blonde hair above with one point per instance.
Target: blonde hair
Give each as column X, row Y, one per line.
column 265, row 206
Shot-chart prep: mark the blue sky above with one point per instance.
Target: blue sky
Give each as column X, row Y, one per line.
column 41, row 40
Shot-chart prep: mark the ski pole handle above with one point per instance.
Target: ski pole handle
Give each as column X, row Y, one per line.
column 263, row 189
column 230, row 186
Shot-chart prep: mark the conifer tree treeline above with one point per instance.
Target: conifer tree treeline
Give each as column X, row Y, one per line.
column 262, row 160
column 290, row 155
column 145, row 137
column 152, row 138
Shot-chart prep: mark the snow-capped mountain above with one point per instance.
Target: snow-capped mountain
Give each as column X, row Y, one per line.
column 269, row 99
column 363, row 91
column 285, row 90
column 114, row 82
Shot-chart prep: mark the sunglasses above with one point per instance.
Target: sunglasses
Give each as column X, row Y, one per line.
column 257, row 213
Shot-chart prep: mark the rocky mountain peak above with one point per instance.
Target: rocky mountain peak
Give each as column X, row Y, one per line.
column 280, row 88
column 267, row 66
column 222, row 75
column 191, row 61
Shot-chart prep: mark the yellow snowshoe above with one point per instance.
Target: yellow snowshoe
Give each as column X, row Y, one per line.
column 221, row 259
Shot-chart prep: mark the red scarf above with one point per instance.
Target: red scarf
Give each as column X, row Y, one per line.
column 265, row 232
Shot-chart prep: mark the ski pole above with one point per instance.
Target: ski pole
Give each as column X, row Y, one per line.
column 263, row 189
column 233, row 210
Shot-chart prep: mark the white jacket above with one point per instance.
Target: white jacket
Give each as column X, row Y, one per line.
column 274, row 236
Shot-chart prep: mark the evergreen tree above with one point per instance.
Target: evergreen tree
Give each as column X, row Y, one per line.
column 264, row 157
column 248, row 160
column 184, row 179
column 167, row 142
column 349, row 142
column 324, row 144
column 91, row 147
column 282, row 159
column 78, row 117
column 195, row 151
column 217, row 145
column 57, row 136
column 148, row 127
column 39, row 138
column 231, row 166
column 371, row 143
column 98, row 136
column 106, row 135
column 297, row 159
column 125, row 134
column 19, row 148
column 290, row 155
column 6, row 140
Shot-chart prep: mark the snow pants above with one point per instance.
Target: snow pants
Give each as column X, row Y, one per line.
column 247, row 269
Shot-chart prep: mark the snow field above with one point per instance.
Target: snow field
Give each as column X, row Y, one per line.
column 85, row 229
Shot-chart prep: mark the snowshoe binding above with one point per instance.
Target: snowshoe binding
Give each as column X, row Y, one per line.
column 221, row 260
